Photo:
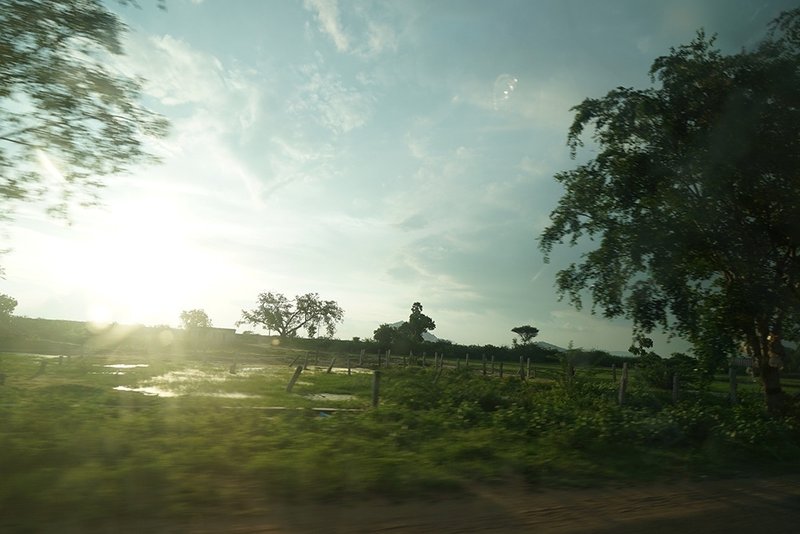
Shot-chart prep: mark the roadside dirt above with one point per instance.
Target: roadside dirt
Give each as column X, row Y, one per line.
column 719, row 506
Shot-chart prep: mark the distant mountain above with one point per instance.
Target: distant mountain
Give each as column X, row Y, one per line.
column 426, row 336
column 549, row 346
column 623, row 353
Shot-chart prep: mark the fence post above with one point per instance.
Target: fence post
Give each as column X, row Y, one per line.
column 528, row 374
column 423, row 358
column 732, row 380
column 294, row 378
column 466, row 360
column 388, row 356
column 492, row 364
column 623, row 384
column 330, row 367
column 483, row 363
column 674, row 387
column 305, row 362
column 376, row 387
column 501, row 369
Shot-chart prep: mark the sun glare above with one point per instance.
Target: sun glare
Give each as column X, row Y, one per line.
column 140, row 265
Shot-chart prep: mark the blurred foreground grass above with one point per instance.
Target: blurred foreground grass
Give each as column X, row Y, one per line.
column 75, row 453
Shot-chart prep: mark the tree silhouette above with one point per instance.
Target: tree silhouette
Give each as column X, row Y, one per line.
column 275, row 311
column 195, row 319
column 693, row 200
column 526, row 333
column 419, row 323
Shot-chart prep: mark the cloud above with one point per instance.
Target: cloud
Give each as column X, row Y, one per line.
column 367, row 37
column 176, row 74
column 330, row 102
column 327, row 14
column 296, row 161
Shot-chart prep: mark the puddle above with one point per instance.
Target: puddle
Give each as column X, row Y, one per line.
column 33, row 355
column 161, row 392
column 126, row 365
column 151, row 391
column 336, row 397
column 227, row 395
column 353, row 370
column 190, row 375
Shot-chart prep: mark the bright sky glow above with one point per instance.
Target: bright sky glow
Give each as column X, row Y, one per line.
column 378, row 153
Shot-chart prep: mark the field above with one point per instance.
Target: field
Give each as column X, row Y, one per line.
column 116, row 439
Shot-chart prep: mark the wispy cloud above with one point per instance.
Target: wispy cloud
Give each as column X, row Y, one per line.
column 367, row 36
column 338, row 107
column 177, row 74
column 327, row 14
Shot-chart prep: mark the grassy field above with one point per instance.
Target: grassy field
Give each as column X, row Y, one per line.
column 89, row 441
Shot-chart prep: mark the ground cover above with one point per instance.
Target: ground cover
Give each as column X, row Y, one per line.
column 75, row 451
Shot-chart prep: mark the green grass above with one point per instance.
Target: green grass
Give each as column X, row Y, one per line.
column 74, row 452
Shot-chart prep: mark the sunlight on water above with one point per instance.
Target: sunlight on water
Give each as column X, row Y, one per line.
column 153, row 391
column 331, row 397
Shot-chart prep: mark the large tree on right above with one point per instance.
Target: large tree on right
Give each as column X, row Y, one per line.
column 690, row 207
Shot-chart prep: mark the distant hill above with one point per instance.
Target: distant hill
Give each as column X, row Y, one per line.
column 548, row 346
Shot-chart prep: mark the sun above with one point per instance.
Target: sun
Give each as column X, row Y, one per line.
column 139, row 264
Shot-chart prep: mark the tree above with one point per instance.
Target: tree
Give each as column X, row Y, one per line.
column 526, row 333
column 195, row 319
column 7, row 306
column 68, row 118
column 693, row 200
column 385, row 335
column 276, row 312
column 419, row 323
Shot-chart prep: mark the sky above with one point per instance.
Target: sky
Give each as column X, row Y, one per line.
column 378, row 153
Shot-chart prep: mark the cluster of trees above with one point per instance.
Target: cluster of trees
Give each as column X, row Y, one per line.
column 408, row 334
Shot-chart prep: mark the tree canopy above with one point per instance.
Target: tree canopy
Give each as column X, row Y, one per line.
column 195, row 319
column 419, row 323
column 692, row 199
column 68, row 117
column 276, row 312
column 526, row 333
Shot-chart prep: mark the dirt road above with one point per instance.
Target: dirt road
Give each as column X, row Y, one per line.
column 750, row 505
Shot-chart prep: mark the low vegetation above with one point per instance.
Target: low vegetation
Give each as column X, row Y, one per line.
column 76, row 453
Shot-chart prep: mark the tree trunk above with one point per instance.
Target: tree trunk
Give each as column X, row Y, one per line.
column 769, row 355
column 775, row 398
